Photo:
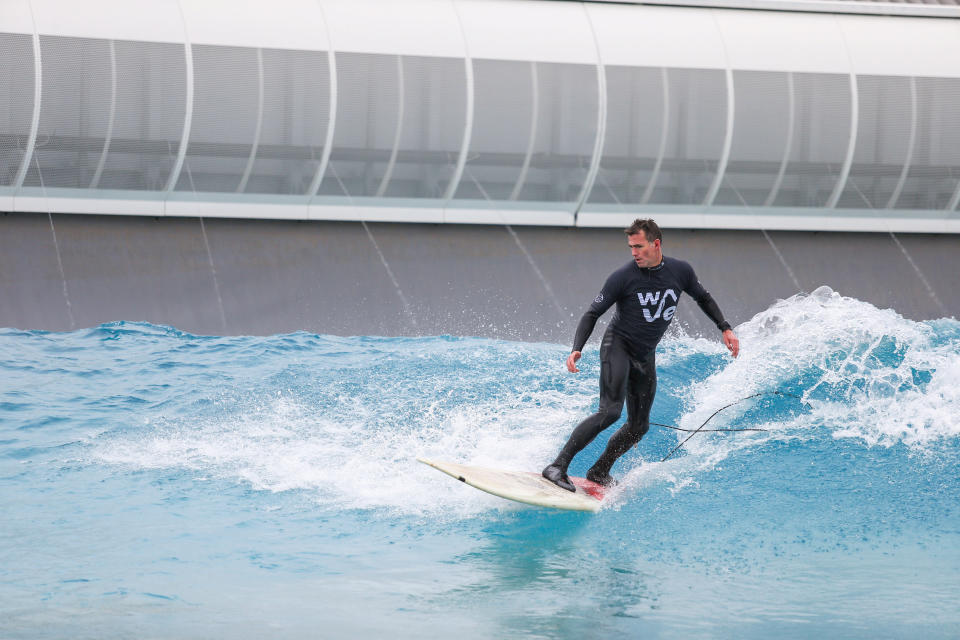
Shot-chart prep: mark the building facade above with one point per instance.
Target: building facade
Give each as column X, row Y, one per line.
column 484, row 111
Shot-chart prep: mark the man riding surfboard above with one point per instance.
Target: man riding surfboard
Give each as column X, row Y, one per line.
column 646, row 291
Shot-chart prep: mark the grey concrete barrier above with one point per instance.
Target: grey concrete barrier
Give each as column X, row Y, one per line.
column 226, row 276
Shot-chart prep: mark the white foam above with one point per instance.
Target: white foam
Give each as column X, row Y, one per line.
column 862, row 370
column 360, row 456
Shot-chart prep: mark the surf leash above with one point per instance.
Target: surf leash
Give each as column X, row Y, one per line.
column 670, row 426
column 701, row 429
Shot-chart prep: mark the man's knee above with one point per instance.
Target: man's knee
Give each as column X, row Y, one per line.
column 610, row 414
column 639, row 428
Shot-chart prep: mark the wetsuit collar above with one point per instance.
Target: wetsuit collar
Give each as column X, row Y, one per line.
column 656, row 268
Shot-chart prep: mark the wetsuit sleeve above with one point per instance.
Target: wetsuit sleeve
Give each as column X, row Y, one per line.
column 608, row 295
column 709, row 306
column 705, row 301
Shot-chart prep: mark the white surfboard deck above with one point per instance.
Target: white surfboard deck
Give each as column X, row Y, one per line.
column 525, row 486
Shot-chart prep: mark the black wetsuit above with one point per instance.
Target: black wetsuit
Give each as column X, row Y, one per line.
column 646, row 300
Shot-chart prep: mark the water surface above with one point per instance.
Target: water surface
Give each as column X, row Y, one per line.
column 161, row 484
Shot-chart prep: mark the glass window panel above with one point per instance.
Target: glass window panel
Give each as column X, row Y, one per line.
column 296, row 113
column 503, row 121
column 697, row 125
column 368, row 113
column 150, row 111
column 412, row 110
column 820, row 140
column 74, row 112
column 760, row 135
column 935, row 168
column 566, row 132
column 225, row 108
column 883, row 139
column 631, row 146
column 434, row 118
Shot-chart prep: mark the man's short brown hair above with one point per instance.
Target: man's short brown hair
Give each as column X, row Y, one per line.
column 647, row 227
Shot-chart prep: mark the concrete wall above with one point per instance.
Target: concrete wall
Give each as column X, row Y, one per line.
column 222, row 276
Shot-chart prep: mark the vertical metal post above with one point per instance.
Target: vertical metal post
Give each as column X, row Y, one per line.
column 188, row 114
column 532, row 139
column 731, row 113
column 664, row 130
column 37, row 98
column 401, row 99
column 331, row 122
column 467, row 133
column 788, row 146
column 955, row 200
column 727, row 143
column 468, row 125
column 601, row 124
column 852, row 143
column 257, row 130
column 95, row 182
column 892, row 202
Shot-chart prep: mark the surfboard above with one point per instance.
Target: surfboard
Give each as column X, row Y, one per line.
column 525, row 486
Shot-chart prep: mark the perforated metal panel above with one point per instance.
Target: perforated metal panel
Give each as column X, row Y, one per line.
column 696, row 129
column 224, row 123
column 935, row 170
column 504, row 123
column 370, row 112
column 632, row 144
column 565, row 134
column 821, row 137
column 294, row 121
column 883, row 141
column 74, row 112
column 149, row 116
column 761, row 130
column 16, row 102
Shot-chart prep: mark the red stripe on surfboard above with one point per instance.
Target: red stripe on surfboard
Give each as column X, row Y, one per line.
column 592, row 489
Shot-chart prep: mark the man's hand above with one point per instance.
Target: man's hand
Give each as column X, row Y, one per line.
column 729, row 339
column 572, row 361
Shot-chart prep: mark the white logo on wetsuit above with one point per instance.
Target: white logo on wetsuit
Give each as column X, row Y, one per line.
column 598, row 299
column 652, row 298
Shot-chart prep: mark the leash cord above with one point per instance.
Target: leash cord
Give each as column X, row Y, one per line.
column 701, row 429
column 670, row 426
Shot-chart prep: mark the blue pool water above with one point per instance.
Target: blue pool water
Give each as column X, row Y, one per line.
column 159, row 484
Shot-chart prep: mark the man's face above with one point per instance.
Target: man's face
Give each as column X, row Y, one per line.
column 645, row 253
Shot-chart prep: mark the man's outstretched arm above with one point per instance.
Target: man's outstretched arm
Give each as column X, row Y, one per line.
column 604, row 301
column 584, row 329
column 709, row 306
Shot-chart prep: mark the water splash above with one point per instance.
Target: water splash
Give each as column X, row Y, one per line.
column 866, row 373
column 343, row 419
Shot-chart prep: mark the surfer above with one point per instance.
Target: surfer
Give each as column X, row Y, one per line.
column 646, row 291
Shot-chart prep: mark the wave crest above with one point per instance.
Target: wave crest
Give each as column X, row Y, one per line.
column 866, row 373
